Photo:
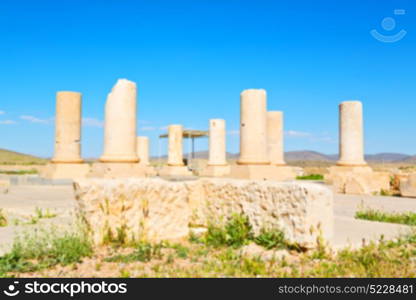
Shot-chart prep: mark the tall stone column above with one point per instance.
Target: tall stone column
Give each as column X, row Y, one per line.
column 217, row 148
column 253, row 128
column 120, row 124
column 351, row 140
column 143, row 150
column 67, row 162
column 275, row 137
column 352, row 175
column 68, row 128
column 175, row 151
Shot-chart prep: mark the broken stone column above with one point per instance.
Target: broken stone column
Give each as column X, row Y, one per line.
column 352, row 175
column 253, row 128
column 351, row 143
column 67, row 161
column 275, row 137
column 120, row 124
column 143, row 154
column 217, row 162
column 254, row 161
column 175, row 165
column 120, row 152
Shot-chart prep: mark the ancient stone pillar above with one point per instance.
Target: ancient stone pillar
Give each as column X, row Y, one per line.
column 175, row 155
column 275, row 137
column 253, row 128
column 217, row 148
column 351, row 140
column 68, row 128
column 120, row 124
column 143, row 149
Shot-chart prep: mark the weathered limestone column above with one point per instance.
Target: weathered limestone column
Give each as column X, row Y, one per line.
column 120, row 124
column 217, row 148
column 217, row 162
column 275, row 137
column 67, row 162
column 254, row 162
column 68, row 128
column 175, row 151
column 253, row 128
column 351, row 140
column 175, row 165
column 143, row 150
column 352, row 175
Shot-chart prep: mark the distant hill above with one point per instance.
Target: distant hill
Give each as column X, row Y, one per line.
column 14, row 158
column 306, row 155
column 387, row 157
column 409, row 160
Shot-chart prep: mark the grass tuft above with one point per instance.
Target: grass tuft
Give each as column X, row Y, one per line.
column 311, row 177
column 270, row 239
column 143, row 252
column 235, row 233
column 407, row 218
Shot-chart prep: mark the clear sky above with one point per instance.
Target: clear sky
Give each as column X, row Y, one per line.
column 191, row 60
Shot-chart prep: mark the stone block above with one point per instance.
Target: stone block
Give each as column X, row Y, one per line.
column 216, row 171
column 117, row 170
column 408, row 186
column 359, row 180
column 262, row 172
column 174, row 171
column 156, row 209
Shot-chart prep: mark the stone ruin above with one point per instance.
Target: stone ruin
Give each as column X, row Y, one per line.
column 114, row 193
column 352, row 175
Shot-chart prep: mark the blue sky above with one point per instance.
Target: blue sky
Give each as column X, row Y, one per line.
column 191, row 60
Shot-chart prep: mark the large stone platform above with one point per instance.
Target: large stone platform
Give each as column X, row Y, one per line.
column 157, row 209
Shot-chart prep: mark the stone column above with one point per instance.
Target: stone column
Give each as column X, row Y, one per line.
column 253, row 128
column 275, row 137
column 217, row 148
column 143, row 150
column 120, row 124
column 175, row 155
column 68, row 128
column 351, row 141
